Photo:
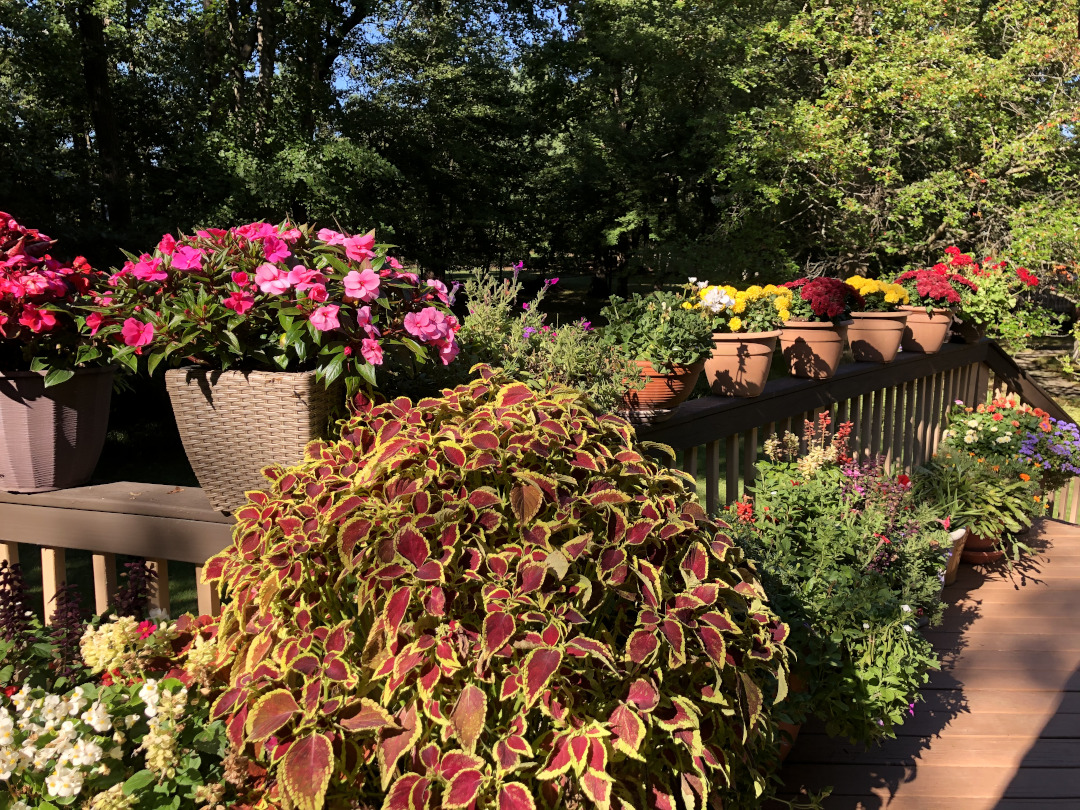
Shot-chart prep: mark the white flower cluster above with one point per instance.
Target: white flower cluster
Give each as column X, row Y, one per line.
column 717, row 301
column 163, row 710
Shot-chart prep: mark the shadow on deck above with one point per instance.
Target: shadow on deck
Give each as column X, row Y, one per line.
column 1000, row 726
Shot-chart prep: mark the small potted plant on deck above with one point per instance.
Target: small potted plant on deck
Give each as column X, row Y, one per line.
column 264, row 321
column 745, row 325
column 667, row 341
column 877, row 329
column 813, row 338
column 55, row 383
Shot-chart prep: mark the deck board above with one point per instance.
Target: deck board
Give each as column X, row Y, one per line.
column 999, row 728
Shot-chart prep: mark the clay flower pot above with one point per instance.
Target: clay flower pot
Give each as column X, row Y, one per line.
column 813, row 348
column 740, row 362
column 875, row 337
column 952, row 567
column 982, row 549
column 51, row 438
column 662, row 391
column 925, row 333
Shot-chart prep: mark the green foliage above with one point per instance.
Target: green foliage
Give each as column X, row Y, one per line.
column 849, row 560
column 495, row 599
column 657, row 327
column 497, row 332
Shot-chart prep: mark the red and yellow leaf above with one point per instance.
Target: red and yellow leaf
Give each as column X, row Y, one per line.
column 540, row 665
column 468, row 716
column 463, row 789
column 305, row 771
column 270, row 712
column 515, row 796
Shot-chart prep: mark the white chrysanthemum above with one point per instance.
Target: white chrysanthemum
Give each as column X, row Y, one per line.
column 716, row 300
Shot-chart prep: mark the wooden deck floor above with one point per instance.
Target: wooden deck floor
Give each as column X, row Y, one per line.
column 1000, row 727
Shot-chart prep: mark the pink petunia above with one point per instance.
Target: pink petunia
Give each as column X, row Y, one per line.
column 136, row 333
column 94, row 321
column 275, row 250
column 167, row 245
column 359, row 248
column 272, row 279
column 37, row 320
column 239, row 302
column 326, row 318
column 331, row 237
column 148, row 269
column 188, row 258
column 429, row 324
column 363, row 286
column 372, row 351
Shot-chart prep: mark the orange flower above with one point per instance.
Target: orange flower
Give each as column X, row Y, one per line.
column 1038, row 499
column 1025, row 477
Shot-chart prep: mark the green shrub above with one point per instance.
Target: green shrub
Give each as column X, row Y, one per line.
column 494, row 599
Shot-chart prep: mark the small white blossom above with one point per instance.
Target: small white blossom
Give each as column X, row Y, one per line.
column 907, row 628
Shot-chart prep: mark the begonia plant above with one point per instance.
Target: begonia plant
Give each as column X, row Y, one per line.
column 42, row 325
column 493, row 599
column 275, row 298
column 822, row 299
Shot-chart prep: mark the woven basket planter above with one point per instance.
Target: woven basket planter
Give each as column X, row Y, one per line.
column 234, row 423
column 51, row 438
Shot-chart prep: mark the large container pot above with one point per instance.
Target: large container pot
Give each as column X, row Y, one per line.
column 979, row 549
column 952, row 567
column 813, row 348
column 234, row 423
column 740, row 363
column 662, row 391
column 925, row 333
column 875, row 337
column 51, row 438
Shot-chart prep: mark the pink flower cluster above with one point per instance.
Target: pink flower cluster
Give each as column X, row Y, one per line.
column 33, row 285
column 936, row 286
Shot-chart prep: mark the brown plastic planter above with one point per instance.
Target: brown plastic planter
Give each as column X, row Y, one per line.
column 51, row 438
column 662, row 391
column 234, row 423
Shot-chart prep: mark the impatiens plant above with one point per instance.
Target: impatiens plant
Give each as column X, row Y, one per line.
column 493, row 599
column 822, row 299
column 41, row 325
column 275, row 298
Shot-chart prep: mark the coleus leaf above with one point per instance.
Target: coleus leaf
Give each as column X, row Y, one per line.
column 498, row 630
column 540, row 665
column 628, row 730
column 515, row 796
column 467, row 719
column 365, row 715
column 410, row 791
column 270, row 712
column 463, row 789
column 597, row 786
column 525, row 501
column 395, row 742
column 306, row 769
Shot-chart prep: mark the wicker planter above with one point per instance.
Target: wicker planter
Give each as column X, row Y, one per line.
column 662, row 391
column 740, row 363
column 982, row 549
column 51, row 438
column 924, row 333
column 234, row 423
column 813, row 348
column 952, row 567
column 875, row 337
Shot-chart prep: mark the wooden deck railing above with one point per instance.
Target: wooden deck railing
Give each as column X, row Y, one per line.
column 898, row 411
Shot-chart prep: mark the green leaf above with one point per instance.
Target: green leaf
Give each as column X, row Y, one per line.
column 140, row 780
column 57, row 376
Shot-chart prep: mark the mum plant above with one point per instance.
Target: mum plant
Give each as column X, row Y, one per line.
column 850, row 561
column 657, row 328
column 728, row 309
column 493, row 599
column 822, row 299
column 42, row 325
column 275, row 298
column 936, row 288
column 878, row 296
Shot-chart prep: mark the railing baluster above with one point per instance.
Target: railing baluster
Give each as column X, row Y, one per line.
column 53, row 576
column 933, row 435
column 865, row 439
column 731, row 488
column 9, row 552
column 877, row 424
column 210, row 602
column 690, row 466
column 1074, row 511
column 104, row 581
column 888, row 428
column 855, row 417
column 982, row 384
column 160, row 597
column 911, row 418
column 712, row 476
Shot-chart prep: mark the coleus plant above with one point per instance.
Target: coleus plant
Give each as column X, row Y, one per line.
column 494, row 599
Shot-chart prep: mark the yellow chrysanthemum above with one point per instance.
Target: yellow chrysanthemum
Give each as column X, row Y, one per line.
column 771, row 289
column 753, row 291
column 687, row 305
column 735, row 324
column 785, row 315
column 730, row 290
column 739, row 307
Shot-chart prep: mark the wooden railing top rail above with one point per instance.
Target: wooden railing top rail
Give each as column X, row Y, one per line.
column 704, row 420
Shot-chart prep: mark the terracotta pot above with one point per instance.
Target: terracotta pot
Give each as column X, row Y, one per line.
column 874, row 337
column 813, row 348
column 662, row 391
column 952, row 567
column 234, row 423
column 982, row 549
column 925, row 334
column 51, row 438
column 968, row 330
column 740, row 363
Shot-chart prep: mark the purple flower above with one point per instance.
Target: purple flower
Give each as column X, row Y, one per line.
column 529, row 331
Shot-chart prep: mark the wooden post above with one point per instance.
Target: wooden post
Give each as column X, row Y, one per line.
column 855, row 417
column 888, row 428
column 878, row 429
column 731, row 488
column 209, row 601
column 160, row 598
column 866, row 439
column 689, row 465
column 712, row 476
column 750, row 439
column 9, row 553
column 104, row 581
column 53, row 575
column 910, row 420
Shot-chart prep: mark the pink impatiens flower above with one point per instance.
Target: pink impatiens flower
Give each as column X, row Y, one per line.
column 429, row 324
column 148, row 269
column 440, row 290
column 136, row 333
column 37, row 320
column 331, row 237
column 317, row 292
column 240, row 278
column 363, row 286
column 272, row 279
column 275, row 250
column 188, row 258
column 302, row 278
column 359, row 248
column 167, row 245
column 255, row 230
column 94, row 321
column 372, row 351
column 448, row 350
column 363, row 319
column 240, row 302
column 326, row 318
